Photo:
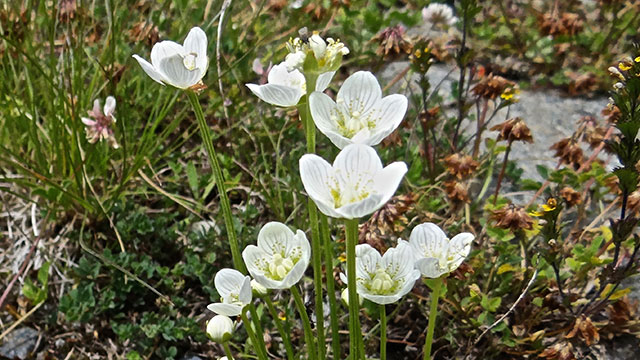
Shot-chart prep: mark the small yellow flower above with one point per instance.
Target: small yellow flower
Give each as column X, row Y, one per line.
column 509, row 94
column 550, row 205
column 624, row 67
column 342, row 258
column 536, row 213
column 417, row 54
column 637, row 59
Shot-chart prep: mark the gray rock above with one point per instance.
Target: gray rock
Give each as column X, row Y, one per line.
column 19, row 343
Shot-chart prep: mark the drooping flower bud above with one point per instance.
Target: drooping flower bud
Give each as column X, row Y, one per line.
column 318, row 45
column 258, row 289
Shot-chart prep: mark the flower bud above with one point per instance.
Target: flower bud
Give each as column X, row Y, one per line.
column 295, row 60
column 345, row 297
column 220, row 328
column 258, row 289
column 318, row 45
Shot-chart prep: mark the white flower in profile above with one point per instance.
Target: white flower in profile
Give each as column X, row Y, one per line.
column 235, row 292
column 387, row 278
column 360, row 113
column 439, row 14
column 354, row 186
column 285, row 88
column 220, row 328
column 99, row 127
column 182, row 66
column 281, row 257
column 435, row 254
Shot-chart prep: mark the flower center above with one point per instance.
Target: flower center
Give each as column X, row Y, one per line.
column 382, row 283
column 279, row 267
column 189, row 61
column 348, row 194
column 353, row 123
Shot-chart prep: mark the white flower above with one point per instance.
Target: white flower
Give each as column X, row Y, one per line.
column 220, row 328
column 318, row 46
column 360, row 113
column 328, row 54
column 345, row 297
column 281, row 257
column 384, row 279
column 99, row 128
column 235, row 292
column 285, row 88
column 356, row 185
column 258, row 289
column 439, row 14
column 182, row 66
column 434, row 252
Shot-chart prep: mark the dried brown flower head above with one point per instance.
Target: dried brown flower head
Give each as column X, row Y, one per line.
column 588, row 332
column 389, row 219
column 559, row 351
column 460, row 166
column 622, row 311
column 456, row 191
column 492, row 86
column 512, row 217
column 569, row 152
column 571, row 196
column 565, row 24
column 513, row 130
column 633, row 202
column 594, row 134
column 611, row 113
column 315, row 9
column 392, row 42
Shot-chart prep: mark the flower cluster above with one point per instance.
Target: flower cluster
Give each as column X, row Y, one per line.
column 314, row 54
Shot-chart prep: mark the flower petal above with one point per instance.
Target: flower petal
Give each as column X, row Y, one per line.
column 356, row 163
column 360, row 92
column 428, row 240
column 275, row 238
column 176, row 74
column 150, row 70
column 225, row 309
column 279, row 75
column 387, row 180
column 294, row 275
column 429, row 267
column 300, row 239
column 361, row 208
column 381, row 299
column 367, row 260
column 459, row 247
column 317, row 178
column 278, row 95
column 388, row 113
column 196, row 42
column 109, row 106
column 228, row 281
column 88, row 121
column 255, row 259
column 324, row 80
column 163, row 50
column 245, row 291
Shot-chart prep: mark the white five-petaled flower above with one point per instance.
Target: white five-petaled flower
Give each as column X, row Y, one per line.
column 99, row 128
column 354, row 186
column 235, row 292
column 435, row 254
column 281, row 257
column 360, row 113
column 285, row 88
column 384, row 279
column 182, row 66
column 439, row 14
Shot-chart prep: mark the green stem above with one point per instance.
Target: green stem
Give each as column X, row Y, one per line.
column 219, row 178
column 316, row 251
column 433, row 313
column 331, row 288
column 283, row 333
column 383, row 333
column 227, row 350
column 258, row 326
column 306, row 324
column 252, row 335
column 355, row 335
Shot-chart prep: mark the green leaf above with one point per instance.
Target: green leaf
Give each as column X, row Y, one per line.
column 192, row 178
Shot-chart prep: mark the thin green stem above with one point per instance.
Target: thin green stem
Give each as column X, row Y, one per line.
column 227, row 350
column 219, row 178
column 259, row 330
column 316, row 251
column 355, row 335
column 252, row 335
column 306, row 324
column 433, row 313
column 283, row 333
column 331, row 288
column 383, row 332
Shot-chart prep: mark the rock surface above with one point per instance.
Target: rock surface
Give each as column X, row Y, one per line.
column 19, row 343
